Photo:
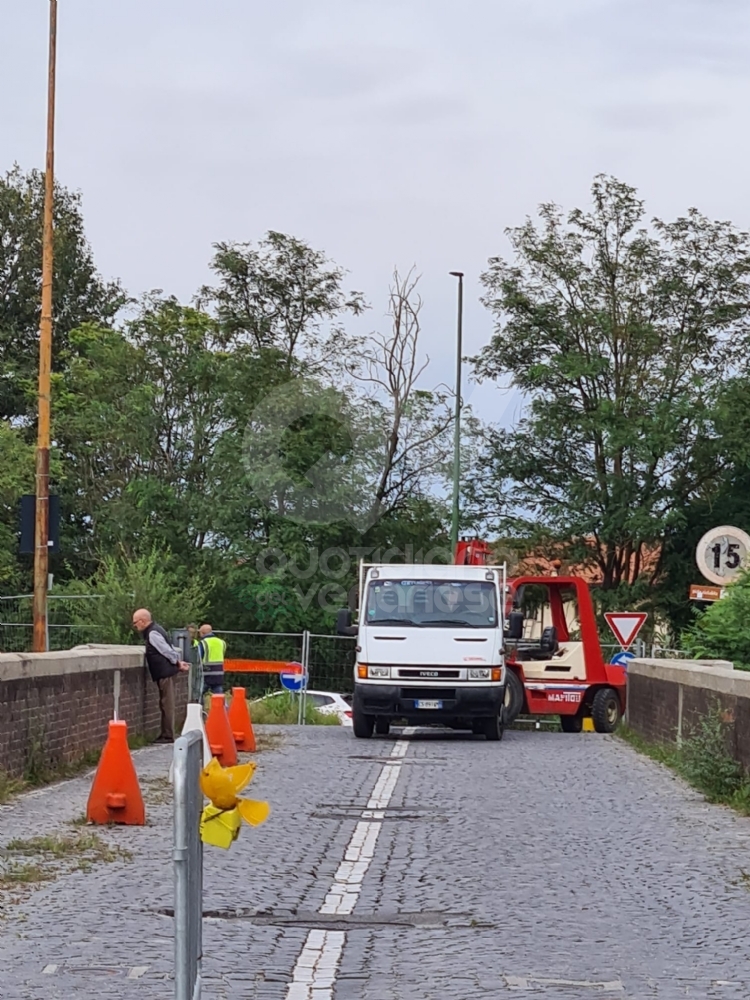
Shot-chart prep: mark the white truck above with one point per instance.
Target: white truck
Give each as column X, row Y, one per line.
column 430, row 648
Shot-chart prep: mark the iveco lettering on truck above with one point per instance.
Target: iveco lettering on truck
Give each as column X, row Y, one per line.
column 430, row 648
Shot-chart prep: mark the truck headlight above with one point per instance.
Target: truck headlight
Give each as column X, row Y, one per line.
column 479, row 674
column 379, row 671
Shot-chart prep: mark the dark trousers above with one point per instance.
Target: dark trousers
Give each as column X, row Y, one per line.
column 213, row 688
column 213, row 680
column 166, row 707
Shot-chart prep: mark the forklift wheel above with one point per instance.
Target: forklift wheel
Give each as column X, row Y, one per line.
column 571, row 723
column 605, row 710
column 513, row 696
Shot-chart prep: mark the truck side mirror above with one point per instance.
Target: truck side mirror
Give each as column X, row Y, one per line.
column 344, row 623
column 515, row 625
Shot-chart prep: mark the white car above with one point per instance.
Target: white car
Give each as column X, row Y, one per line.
column 326, row 702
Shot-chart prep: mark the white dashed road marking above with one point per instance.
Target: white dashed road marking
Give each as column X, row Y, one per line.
column 314, row 974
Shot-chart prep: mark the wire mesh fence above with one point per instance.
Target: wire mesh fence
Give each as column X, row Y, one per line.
column 63, row 626
column 331, row 663
column 330, row 659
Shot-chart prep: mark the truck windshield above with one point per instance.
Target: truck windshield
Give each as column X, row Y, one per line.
column 432, row 604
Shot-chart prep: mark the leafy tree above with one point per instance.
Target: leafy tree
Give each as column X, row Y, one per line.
column 153, row 580
column 723, row 630
column 300, row 575
column 724, row 500
column 154, row 451
column 16, row 478
column 282, row 294
column 80, row 295
column 150, row 424
column 621, row 338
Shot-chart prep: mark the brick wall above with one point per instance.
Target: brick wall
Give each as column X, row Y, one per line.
column 55, row 707
column 667, row 698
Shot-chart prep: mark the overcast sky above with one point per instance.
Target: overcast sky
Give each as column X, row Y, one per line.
column 381, row 131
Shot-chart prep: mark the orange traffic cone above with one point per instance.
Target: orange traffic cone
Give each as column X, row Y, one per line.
column 219, row 732
column 240, row 721
column 115, row 794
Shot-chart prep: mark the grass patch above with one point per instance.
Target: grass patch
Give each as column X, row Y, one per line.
column 39, row 771
column 42, row 773
column 42, row 859
column 663, row 753
column 283, row 710
column 547, row 724
column 88, row 847
column 138, row 742
column 703, row 761
column 9, row 787
column 17, row 875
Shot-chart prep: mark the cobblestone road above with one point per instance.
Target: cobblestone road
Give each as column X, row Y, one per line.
column 424, row 868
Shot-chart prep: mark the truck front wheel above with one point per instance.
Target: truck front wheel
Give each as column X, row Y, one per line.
column 494, row 727
column 362, row 724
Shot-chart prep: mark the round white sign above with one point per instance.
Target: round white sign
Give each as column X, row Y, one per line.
column 722, row 553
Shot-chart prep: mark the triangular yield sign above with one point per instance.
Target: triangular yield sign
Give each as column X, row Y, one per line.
column 626, row 625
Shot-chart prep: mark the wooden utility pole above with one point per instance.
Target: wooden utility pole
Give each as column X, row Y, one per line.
column 41, row 534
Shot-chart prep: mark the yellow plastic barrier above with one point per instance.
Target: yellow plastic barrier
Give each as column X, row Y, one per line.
column 221, row 821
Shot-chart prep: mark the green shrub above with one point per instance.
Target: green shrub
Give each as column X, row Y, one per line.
column 703, row 760
column 123, row 584
column 706, row 763
column 283, row 710
column 723, row 630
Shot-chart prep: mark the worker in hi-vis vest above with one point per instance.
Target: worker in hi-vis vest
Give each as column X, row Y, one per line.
column 212, row 650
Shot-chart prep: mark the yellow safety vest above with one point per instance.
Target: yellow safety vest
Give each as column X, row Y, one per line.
column 215, row 650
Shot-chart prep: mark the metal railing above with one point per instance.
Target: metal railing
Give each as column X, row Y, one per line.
column 662, row 652
column 188, row 867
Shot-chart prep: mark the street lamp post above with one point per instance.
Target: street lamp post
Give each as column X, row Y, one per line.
column 41, row 526
column 457, row 425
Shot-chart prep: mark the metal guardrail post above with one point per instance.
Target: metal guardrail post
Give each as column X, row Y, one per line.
column 188, row 867
column 306, row 675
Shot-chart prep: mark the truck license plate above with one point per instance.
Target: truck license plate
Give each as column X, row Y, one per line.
column 428, row 704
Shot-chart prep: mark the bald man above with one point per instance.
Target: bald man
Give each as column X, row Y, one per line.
column 164, row 663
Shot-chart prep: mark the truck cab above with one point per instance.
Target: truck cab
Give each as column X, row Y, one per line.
column 430, row 648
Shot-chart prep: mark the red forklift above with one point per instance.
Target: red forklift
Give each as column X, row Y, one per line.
column 553, row 655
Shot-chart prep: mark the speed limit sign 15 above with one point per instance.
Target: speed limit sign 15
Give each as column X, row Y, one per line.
column 722, row 553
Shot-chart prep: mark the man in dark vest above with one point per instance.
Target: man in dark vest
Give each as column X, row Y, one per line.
column 164, row 663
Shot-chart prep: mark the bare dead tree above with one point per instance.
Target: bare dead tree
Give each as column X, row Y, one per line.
column 415, row 420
